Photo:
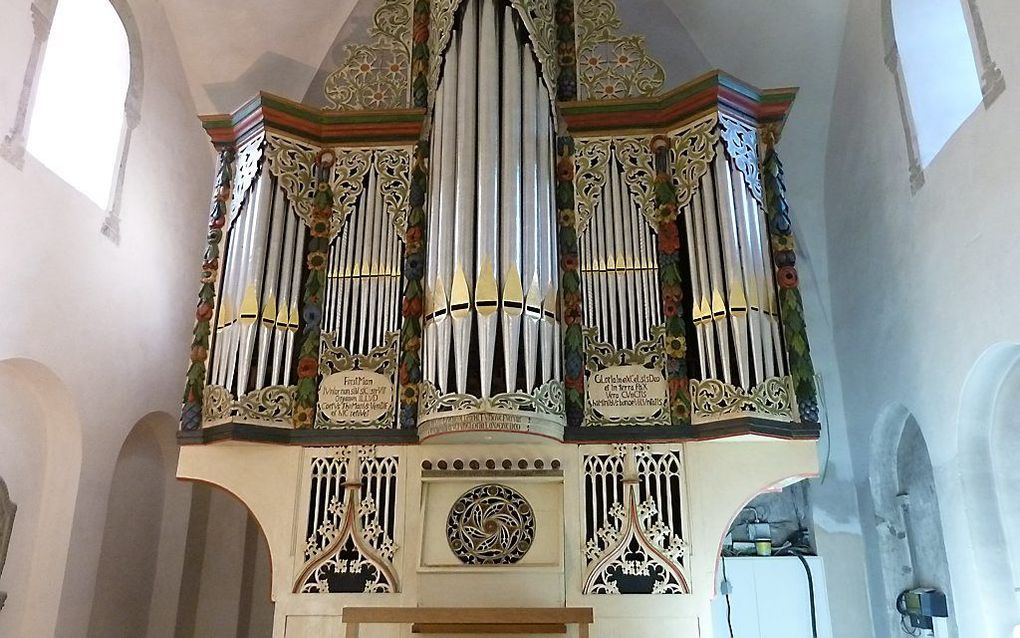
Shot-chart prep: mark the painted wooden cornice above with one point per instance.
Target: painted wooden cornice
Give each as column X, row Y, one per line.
column 318, row 126
column 714, row 91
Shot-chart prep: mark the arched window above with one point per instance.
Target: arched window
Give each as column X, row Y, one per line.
column 939, row 55
column 78, row 113
column 939, row 69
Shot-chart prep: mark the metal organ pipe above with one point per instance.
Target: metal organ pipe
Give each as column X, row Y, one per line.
column 492, row 257
column 529, row 199
column 258, row 292
column 488, row 169
column 731, row 278
column 512, row 305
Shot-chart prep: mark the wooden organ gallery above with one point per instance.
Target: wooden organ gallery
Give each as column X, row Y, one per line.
column 501, row 340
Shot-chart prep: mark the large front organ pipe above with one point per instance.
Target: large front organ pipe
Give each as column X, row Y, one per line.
column 488, row 170
column 432, row 279
column 464, row 211
column 447, row 208
column 512, row 305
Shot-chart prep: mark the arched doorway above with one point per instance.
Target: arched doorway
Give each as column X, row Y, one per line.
column 988, row 449
column 41, row 459
column 912, row 550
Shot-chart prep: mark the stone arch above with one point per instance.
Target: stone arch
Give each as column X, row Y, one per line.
column 44, row 425
column 988, row 445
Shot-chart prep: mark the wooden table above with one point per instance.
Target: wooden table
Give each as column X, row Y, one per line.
column 472, row 620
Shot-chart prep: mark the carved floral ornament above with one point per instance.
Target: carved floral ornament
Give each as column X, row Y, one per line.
column 292, row 162
column 612, row 65
column 694, row 150
column 376, row 75
column 591, row 159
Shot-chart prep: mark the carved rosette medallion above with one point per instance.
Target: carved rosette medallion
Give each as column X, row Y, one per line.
column 490, row 525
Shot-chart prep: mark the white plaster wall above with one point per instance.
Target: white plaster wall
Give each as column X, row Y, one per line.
column 920, row 285
column 112, row 322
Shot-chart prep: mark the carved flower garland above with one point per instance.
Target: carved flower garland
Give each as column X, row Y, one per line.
column 191, row 416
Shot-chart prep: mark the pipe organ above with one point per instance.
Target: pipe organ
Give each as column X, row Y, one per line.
column 489, row 345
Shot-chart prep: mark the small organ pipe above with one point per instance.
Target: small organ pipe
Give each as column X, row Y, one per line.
column 544, row 182
column 269, row 301
column 529, row 199
column 295, row 295
column 282, row 315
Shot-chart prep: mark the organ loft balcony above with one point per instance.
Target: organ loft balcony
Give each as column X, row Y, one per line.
column 498, row 262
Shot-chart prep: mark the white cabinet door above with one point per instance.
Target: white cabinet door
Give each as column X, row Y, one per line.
column 769, row 599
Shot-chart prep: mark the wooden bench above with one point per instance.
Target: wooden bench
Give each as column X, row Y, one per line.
column 472, row 620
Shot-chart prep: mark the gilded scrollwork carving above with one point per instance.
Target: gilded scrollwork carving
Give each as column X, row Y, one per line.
column 539, row 18
column 545, row 399
column 742, row 147
column 591, row 157
column 393, row 166
column 376, row 75
column 291, row 163
column 612, row 65
column 591, row 160
column 247, row 165
column 693, row 152
column 273, row 404
column 635, row 156
column 348, row 183
column 714, row 399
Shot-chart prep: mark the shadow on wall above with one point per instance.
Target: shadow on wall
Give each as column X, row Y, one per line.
column 226, row 585
column 143, row 514
column 40, row 456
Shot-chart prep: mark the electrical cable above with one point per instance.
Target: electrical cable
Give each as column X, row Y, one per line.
column 729, row 610
column 811, row 593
